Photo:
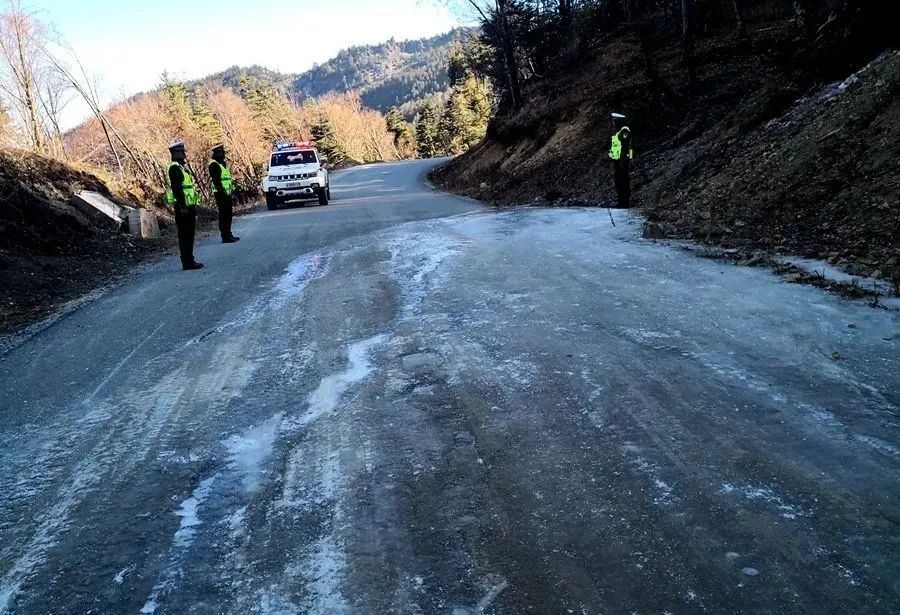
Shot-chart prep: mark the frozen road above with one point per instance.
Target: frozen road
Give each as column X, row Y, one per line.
column 406, row 403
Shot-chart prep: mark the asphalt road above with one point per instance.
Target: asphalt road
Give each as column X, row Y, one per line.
column 404, row 402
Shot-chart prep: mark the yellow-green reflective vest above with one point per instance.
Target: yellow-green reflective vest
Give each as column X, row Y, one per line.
column 191, row 196
column 615, row 147
column 227, row 181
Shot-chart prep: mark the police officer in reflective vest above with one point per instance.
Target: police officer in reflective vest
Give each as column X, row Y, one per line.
column 621, row 154
column 223, row 187
column 182, row 195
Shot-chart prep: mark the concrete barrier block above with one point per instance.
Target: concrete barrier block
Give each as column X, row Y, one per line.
column 143, row 223
column 100, row 209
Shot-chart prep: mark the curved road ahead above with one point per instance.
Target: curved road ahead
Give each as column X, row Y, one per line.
column 405, row 402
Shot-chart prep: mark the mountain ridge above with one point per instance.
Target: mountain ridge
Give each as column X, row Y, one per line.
column 392, row 73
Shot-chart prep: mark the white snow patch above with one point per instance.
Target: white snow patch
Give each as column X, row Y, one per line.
column 642, row 335
column 288, row 286
column 189, row 511
column 331, row 388
column 235, row 522
column 323, row 568
column 829, row 272
column 665, row 492
column 879, row 445
column 271, row 601
column 833, row 90
column 297, row 275
column 415, row 258
column 769, row 496
column 494, row 590
column 848, row 575
column 247, row 452
column 120, row 576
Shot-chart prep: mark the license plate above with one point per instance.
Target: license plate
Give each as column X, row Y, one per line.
column 293, row 185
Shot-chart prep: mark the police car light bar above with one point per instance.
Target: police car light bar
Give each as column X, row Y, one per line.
column 293, row 145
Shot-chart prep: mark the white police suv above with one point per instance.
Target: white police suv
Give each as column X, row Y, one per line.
column 296, row 172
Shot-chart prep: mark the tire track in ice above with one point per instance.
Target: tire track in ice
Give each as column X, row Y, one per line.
column 313, row 478
column 110, row 434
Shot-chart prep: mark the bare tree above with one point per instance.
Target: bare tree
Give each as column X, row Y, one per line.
column 53, row 96
column 687, row 41
column 739, row 18
column 5, row 125
column 20, row 35
column 88, row 92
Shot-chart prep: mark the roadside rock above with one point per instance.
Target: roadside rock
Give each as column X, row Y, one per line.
column 653, row 230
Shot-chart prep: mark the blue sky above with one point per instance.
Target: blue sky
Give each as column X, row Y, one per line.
column 129, row 44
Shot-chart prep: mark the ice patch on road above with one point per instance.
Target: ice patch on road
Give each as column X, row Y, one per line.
column 415, row 259
column 235, row 523
column 248, row 452
column 769, row 496
column 120, row 576
column 287, row 287
column 332, row 387
column 189, row 511
column 645, row 336
column 323, row 569
column 665, row 494
column 496, row 587
column 297, row 275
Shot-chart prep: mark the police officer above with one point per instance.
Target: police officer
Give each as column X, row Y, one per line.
column 223, row 187
column 621, row 154
column 182, row 195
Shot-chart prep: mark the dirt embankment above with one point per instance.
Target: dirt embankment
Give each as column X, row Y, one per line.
column 762, row 155
column 50, row 253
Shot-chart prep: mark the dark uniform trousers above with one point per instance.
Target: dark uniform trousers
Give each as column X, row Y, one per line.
column 186, row 222
column 225, row 203
column 621, row 169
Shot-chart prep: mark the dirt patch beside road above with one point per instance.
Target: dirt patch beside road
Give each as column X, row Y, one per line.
column 50, row 254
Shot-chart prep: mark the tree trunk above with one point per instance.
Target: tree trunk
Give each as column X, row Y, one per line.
column 801, row 15
column 28, row 94
column 687, row 42
column 509, row 55
column 613, row 13
column 112, row 148
column 739, row 18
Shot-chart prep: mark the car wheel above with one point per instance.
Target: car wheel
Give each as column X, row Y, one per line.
column 271, row 202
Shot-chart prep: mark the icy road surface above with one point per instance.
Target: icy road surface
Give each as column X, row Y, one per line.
column 407, row 403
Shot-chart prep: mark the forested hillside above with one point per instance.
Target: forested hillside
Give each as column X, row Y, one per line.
column 393, row 74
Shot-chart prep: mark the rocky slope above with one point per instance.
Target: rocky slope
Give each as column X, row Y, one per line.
column 775, row 150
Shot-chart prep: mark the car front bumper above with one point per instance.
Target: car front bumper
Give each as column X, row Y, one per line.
column 310, row 190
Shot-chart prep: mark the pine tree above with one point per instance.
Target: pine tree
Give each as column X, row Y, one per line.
column 452, row 126
column 466, row 115
column 326, row 142
column 427, row 132
column 271, row 110
column 404, row 138
column 457, row 64
column 175, row 94
column 202, row 117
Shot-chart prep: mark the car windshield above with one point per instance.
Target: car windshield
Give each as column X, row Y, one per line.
column 281, row 159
